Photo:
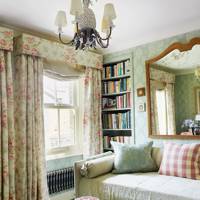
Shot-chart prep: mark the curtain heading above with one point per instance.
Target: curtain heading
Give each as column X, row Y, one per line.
column 31, row 45
column 162, row 76
column 6, row 39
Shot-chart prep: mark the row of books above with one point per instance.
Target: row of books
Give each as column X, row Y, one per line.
column 107, row 139
column 123, row 101
column 117, row 120
column 118, row 69
column 117, row 86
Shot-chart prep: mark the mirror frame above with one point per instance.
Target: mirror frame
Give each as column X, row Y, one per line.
column 181, row 47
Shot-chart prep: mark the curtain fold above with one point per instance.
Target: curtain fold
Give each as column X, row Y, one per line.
column 92, row 113
column 30, row 152
column 154, row 110
column 171, row 109
column 7, row 137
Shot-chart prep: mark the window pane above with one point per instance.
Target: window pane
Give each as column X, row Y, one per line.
column 67, row 127
column 65, row 92
column 49, row 90
column 51, row 128
column 59, row 91
column 162, row 112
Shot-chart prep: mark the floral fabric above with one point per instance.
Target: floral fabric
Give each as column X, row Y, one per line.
column 30, row 163
column 6, row 39
column 92, row 113
column 7, row 136
column 162, row 76
column 31, row 45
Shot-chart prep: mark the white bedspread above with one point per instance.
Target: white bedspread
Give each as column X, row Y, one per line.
column 140, row 186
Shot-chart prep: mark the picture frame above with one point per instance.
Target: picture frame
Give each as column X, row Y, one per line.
column 141, row 92
column 141, row 107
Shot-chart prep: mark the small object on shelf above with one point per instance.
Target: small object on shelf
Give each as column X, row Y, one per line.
column 141, row 92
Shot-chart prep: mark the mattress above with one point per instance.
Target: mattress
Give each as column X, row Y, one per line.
column 140, row 186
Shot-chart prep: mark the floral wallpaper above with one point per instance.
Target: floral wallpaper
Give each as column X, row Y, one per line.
column 6, row 39
column 31, row 45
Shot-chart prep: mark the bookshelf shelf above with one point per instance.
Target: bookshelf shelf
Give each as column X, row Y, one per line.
column 116, row 102
column 116, row 78
column 115, row 94
column 108, row 149
column 116, row 109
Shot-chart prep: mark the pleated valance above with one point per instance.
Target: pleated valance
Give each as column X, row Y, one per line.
column 159, row 75
column 6, row 39
column 31, row 45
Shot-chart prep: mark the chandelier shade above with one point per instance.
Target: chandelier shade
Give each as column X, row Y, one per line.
column 86, row 36
column 109, row 11
column 76, row 7
column 61, row 20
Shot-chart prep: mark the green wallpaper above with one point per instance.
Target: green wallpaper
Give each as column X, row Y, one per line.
column 139, row 55
column 184, row 98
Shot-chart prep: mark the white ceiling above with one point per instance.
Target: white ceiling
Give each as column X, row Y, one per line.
column 138, row 21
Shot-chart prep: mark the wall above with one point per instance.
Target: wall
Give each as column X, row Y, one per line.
column 139, row 55
column 185, row 98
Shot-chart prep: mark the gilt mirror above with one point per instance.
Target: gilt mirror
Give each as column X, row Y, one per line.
column 173, row 92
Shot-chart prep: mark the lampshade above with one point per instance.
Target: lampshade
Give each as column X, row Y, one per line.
column 105, row 25
column 61, row 20
column 109, row 11
column 76, row 7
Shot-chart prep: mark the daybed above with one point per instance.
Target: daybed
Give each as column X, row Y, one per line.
column 136, row 186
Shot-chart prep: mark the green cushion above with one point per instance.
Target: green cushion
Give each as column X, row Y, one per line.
column 132, row 158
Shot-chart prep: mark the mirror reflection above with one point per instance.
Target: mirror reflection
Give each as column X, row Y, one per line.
column 175, row 93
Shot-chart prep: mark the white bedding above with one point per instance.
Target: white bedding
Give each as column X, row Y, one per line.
column 140, row 186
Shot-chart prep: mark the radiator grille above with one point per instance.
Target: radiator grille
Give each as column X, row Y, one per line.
column 60, row 180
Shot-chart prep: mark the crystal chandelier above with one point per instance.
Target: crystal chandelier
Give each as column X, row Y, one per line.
column 86, row 36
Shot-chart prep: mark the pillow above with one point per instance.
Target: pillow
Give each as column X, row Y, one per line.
column 132, row 158
column 181, row 160
column 97, row 167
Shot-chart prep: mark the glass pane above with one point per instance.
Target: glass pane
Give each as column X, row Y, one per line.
column 59, row 91
column 67, row 127
column 65, row 92
column 49, row 90
column 162, row 112
column 51, row 128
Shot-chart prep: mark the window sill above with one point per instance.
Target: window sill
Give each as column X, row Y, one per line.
column 61, row 155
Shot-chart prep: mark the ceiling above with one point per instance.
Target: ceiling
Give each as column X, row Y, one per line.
column 138, row 21
column 177, row 61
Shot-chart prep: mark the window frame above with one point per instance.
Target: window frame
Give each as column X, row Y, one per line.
column 76, row 147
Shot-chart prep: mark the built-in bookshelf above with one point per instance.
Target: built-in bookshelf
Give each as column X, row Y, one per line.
column 116, row 102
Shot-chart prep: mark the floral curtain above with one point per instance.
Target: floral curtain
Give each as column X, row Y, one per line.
column 7, row 136
column 154, row 110
column 92, row 113
column 30, row 153
column 161, row 80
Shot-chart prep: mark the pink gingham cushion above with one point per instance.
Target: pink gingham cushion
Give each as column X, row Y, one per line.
column 181, row 160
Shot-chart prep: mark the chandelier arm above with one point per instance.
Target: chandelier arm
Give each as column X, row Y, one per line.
column 70, row 42
column 108, row 37
column 100, row 42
